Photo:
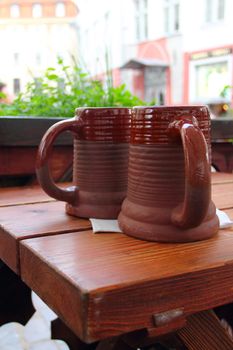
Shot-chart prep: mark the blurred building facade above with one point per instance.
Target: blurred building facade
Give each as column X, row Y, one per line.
column 33, row 33
column 173, row 51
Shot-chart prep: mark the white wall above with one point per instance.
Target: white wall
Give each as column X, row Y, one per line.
column 37, row 45
column 199, row 35
column 118, row 36
column 104, row 30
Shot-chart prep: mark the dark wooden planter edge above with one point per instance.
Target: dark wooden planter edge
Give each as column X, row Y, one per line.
column 222, row 129
column 28, row 131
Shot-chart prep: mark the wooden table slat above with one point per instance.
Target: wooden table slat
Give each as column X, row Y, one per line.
column 10, row 196
column 27, row 221
column 221, row 178
column 134, row 277
column 204, row 331
column 222, row 195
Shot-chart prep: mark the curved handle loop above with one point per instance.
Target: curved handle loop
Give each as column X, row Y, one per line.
column 68, row 195
column 197, row 196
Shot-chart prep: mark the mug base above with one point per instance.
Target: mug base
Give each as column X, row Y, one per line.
column 168, row 233
column 97, row 205
column 94, row 211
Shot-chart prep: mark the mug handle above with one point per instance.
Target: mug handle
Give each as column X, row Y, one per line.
column 44, row 177
column 197, row 196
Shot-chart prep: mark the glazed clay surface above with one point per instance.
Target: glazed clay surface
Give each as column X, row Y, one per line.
column 169, row 191
column 101, row 145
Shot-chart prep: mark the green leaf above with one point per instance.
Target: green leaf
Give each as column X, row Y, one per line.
column 62, row 89
column 52, row 76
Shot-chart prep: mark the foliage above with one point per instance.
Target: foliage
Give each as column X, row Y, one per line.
column 226, row 90
column 59, row 91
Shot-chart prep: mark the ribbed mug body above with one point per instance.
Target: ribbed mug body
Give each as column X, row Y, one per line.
column 156, row 177
column 101, row 162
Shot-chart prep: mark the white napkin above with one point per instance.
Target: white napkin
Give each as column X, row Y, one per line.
column 101, row 225
column 224, row 219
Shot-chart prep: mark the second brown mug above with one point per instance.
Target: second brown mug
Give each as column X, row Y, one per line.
column 169, row 183
column 101, row 143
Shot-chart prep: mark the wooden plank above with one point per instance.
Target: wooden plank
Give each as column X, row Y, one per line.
column 221, row 128
column 220, row 178
column 22, row 195
column 25, row 195
column 204, row 331
column 222, row 156
column 112, row 284
column 14, row 131
column 21, row 160
column 222, row 195
column 147, row 337
column 27, row 221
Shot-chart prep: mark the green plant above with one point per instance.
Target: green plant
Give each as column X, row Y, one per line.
column 225, row 91
column 59, row 91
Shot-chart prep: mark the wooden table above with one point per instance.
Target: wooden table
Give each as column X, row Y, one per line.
column 110, row 286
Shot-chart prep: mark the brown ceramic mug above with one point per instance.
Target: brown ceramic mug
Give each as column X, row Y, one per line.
column 101, row 143
column 169, row 180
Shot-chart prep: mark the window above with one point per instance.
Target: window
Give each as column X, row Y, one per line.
column 137, row 19
column 141, row 19
column 145, row 19
column 171, row 16
column 166, row 19
column 16, row 85
column 106, row 25
column 15, row 10
column 210, row 80
column 38, row 59
column 214, row 10
column 176, row 17
column 16, row 58
column 221, row 9
column 60, row 9
column 36, row 10
column 208, row 10
column 209, row 76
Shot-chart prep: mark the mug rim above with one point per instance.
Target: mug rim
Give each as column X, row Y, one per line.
column 168, row 107
column 80, row 109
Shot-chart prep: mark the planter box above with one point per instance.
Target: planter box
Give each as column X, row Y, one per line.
column 28, row 131
column 222, row 143
column 19, row 140
column 222, row 129
column 20, row 137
